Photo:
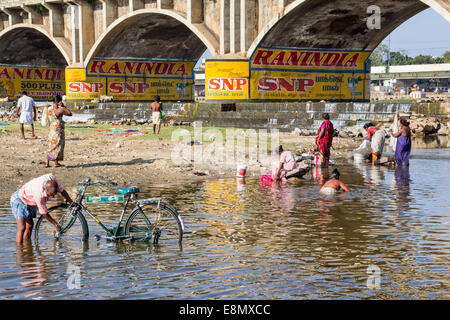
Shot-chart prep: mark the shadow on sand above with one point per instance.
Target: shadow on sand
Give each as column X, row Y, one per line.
column 109, row 163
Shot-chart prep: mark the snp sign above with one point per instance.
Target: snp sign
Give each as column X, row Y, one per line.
column 374, row 20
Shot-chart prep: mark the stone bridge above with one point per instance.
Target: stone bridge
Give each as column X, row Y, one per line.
column 68, row 33
column 64, row 33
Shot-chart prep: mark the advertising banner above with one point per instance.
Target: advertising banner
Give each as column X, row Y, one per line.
column 308, row 74
column 41, row 83
column 226, row 80
column 131, row 80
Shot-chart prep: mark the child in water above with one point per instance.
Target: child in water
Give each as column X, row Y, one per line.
column 334, row 184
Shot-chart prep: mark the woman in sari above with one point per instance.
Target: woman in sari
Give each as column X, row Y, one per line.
column 324, row 139
column 56, row 136
column 376, row 136
column 403, row 147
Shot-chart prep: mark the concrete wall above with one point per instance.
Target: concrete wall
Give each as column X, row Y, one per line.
column 268, row 9
column 180, row 6
column 212, row 16
column 98, row 19
column 67, row 24
column 123, row 7
column 150, row 3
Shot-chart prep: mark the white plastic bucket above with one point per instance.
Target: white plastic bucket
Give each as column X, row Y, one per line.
column 241, row 170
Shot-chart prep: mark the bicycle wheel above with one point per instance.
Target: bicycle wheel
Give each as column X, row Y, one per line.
column 74, row 229
column 161, row 223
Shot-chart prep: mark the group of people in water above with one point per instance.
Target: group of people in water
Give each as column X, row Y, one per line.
column 324, row 141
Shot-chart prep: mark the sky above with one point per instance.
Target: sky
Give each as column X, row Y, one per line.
column 426, row 33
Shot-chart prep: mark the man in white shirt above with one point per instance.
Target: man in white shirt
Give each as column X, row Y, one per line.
column 26, row 112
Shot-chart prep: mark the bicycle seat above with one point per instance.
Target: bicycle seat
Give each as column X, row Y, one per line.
column 128, row 190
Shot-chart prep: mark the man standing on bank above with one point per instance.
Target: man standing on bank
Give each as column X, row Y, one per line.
column 156, row 113
column 26, row 112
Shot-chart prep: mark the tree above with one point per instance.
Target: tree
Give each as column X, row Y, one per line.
column 446, row 57
column 379, row 55
column 421, row 59
column 400, row 58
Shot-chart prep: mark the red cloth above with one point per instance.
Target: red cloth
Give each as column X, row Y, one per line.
column 265, row 179
column 324, row 144
column 371, row 131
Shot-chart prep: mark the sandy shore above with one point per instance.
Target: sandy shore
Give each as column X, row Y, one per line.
column 124, row 159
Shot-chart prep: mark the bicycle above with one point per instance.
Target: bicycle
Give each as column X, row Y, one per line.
column 151, row 219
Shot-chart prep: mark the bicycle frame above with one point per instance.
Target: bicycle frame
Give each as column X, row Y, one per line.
column 114, row 233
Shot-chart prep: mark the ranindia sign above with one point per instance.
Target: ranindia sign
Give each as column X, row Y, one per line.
column 41, row 83
column 308, row 74
column 134, row 80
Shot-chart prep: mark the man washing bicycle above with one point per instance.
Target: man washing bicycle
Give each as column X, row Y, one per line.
column 32, row 197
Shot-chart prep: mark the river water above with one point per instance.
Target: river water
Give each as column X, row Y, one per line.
column 248, row 241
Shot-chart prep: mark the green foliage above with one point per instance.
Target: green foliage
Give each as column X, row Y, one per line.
column 446, row 57
column 380, row 57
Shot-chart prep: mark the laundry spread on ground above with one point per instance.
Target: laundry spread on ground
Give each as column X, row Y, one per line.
column 129, row 132
column 81, row 127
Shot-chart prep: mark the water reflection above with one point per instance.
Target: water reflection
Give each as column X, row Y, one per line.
column 402, row 181
column 32, row 270
column 244, row 240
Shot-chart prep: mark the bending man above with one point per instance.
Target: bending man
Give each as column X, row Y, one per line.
column 32, row 197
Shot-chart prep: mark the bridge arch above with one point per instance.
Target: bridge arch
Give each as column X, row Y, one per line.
column 153, row 33
column 28, row 44
column 338, row 24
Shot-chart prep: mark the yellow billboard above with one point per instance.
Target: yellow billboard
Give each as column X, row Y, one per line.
column 279, row 85
column 226, row 80
column 131, row 80
column 308, row 74
column 41, row 83
column 307, row 59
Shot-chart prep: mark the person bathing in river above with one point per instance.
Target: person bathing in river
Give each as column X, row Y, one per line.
column 376, row 137
column 285, row 164
column 334, row 184
column 324, row 139
column 32, row 197
column 403, row 147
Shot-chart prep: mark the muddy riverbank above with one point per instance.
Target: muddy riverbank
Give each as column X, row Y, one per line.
column 143, row 159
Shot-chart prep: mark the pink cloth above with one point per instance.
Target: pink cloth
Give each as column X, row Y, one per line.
column 371, row 131
column 33, row 193
column 265, row 179
column 288, row 161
